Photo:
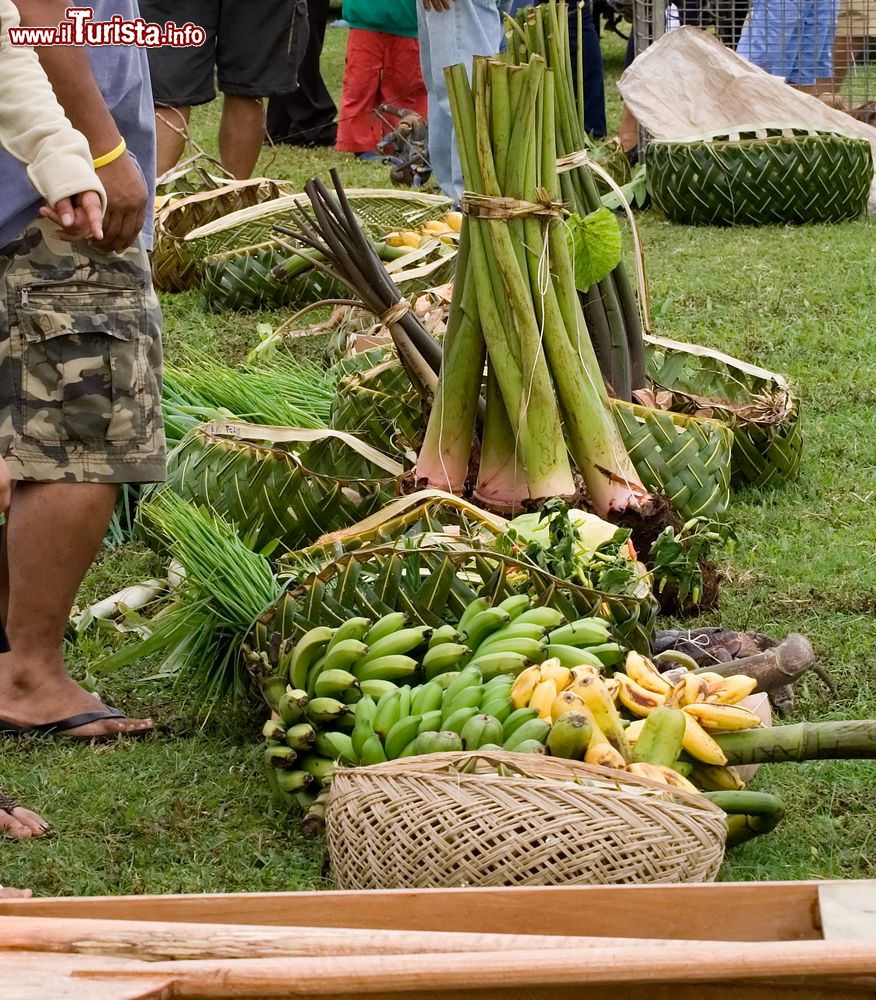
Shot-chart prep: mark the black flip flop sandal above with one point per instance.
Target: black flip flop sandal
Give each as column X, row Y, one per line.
column 61, row 727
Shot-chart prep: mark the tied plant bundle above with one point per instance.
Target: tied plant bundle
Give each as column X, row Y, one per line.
column 516, row 314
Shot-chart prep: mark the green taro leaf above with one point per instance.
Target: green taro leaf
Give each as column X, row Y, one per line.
column 595, row 246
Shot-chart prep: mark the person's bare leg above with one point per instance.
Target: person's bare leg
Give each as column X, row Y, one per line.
column 628, row 130
column 53, row 534
column 171, row 125
column 241, row 134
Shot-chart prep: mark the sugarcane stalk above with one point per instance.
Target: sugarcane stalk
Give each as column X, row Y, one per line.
column 848, row 739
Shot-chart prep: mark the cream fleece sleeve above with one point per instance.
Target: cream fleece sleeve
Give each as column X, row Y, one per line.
column 33, row 127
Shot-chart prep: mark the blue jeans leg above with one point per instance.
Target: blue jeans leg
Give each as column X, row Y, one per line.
column 469, row 28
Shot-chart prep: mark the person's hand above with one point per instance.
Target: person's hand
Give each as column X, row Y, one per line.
column 437, row 4
column 79, row 221
column 5, row 488
column 126, row 202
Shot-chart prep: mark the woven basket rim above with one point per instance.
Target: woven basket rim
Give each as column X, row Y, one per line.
column 445, row 767
column 263, row 437
column 700, row 351
column 285, row 202
column 776, row 131
column 196, row 197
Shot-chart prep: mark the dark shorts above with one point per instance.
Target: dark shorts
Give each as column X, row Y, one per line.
column 253, row 47
column 80, row 363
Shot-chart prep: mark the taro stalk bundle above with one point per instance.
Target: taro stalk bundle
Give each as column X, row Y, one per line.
column 516, row 309
column 610, row 308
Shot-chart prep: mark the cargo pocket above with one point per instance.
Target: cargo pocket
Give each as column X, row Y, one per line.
column 81, row 362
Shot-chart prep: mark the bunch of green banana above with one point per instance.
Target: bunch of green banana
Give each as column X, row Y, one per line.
column 454, row 711
column 348, row 695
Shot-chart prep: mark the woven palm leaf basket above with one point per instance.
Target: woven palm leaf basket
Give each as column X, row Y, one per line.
column 242, row 278
column 685, row 456
column 174, row 269
column 760, row 176
column 282, row 486
column 430, row 554
column 758, row 406
column 379, row 210
column 452, row 820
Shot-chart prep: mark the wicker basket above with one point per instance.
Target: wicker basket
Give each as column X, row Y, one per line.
column 758, row 406
column 173, row 267
column 760, row 177
column 505, row 819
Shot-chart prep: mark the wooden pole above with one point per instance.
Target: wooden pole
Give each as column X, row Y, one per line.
column 673, row 962
column 156, row 941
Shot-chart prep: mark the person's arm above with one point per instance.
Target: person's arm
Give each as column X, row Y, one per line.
column 69, row 72
column 34, row 130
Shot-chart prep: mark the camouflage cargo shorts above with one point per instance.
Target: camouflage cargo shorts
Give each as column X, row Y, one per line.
column 80, row 363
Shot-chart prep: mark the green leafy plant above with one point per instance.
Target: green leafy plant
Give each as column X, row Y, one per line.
column 677, row 557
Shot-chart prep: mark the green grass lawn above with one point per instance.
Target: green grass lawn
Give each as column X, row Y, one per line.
column 189, row 811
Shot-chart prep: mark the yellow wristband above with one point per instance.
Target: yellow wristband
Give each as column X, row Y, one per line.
column 109, row 157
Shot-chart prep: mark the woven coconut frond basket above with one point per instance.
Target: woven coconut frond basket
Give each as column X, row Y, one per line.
column 761, row 176
column 430, row 554
column 174, row 269
column 300, row 483
column 759, row 406
column 502, row 819
column 241, row 278
column 378, row 210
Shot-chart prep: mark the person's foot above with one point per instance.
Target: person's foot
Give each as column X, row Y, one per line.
column 18, row 823
column 369, row 155
column 34, row 694
column 6, row 893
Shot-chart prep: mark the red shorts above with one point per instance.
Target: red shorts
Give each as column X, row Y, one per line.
column 379, row 69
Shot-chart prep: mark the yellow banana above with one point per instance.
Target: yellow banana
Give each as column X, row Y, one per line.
column 551, row 670
column 695, row 687
column 640, row 669
column 568, row 701
column 664, row 775
column 613, row 688
column 730, row 690
column 699, row 744
column 713, row 778
column 602, row 711
column 454, row 220
column 436, row 228
column 605, row 755
column 637, row 699
column 582, row 672
column 524, row 685
column 543, row 698
column 723, row 718
column 634, row 730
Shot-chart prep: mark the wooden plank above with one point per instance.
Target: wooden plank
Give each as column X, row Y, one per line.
column 428, row 974
column 742, row 911
column 848, row 910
